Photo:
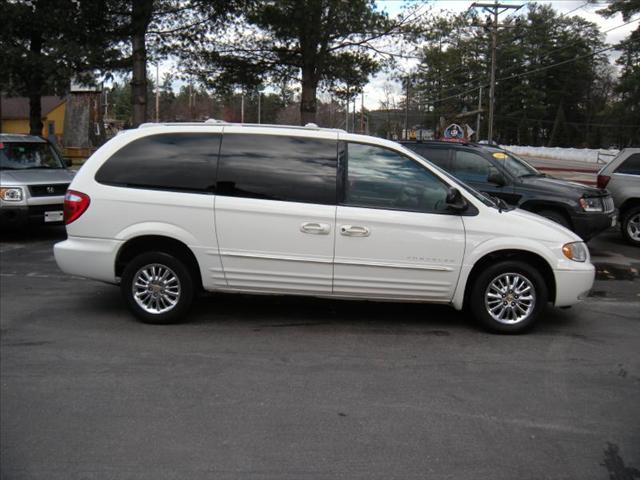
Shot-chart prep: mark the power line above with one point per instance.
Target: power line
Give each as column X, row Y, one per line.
column 495, row 9
column 577, row 8
column 546, row 55
column 523, row 74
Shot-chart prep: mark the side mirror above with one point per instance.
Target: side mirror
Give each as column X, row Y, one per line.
column 455, row 201
column 496, row 178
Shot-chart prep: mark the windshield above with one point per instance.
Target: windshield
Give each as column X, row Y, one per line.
column 24, row 156
column 514, row 165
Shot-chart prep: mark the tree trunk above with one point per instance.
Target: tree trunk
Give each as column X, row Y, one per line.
column 140, row 19
column 34, row 83
column 308, row 101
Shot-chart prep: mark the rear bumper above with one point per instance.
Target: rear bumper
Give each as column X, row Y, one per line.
column 21, row 216
column 572, row 286
column 93, row 258
column 588, row 225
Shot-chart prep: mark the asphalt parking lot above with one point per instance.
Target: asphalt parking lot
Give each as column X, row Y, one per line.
column 291, row 388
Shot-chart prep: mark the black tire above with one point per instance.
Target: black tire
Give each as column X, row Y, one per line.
column 627, row 217
column 555, row 216
column 480, row 289
column 185, row 286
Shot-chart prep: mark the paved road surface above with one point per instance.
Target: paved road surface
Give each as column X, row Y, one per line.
column 281, row 388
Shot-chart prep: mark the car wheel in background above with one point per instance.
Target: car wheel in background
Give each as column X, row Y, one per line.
column 630, row 226
column 157, row 287
column 508, row 296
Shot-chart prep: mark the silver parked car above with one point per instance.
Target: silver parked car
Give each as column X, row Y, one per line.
column 622, row 178
column 33, row 181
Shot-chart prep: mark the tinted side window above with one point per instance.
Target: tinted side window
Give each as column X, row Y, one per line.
column 631, row 166
column 439, row 156
column 471, row 167
column 170, row 161
column 276, row 167
column 381, row 178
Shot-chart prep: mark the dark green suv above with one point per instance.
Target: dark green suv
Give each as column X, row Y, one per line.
column 497, row 172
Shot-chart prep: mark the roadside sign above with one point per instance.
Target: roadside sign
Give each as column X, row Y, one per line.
column 454, row 132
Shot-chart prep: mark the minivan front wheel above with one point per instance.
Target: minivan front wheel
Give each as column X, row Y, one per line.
column 508, row 296
column 157, row 287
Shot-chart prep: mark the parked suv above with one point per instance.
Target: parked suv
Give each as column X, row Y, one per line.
column 622, row 178
column 167, row 210
column 585, row 210
column 33, row 181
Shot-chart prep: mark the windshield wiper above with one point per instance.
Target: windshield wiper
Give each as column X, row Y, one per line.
column 501, row 205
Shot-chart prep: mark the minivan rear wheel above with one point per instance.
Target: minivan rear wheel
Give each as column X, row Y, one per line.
column 508, row 296
column 157, row 287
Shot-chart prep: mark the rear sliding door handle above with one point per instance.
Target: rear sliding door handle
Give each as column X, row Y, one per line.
column 354, row 231
column 315, row 228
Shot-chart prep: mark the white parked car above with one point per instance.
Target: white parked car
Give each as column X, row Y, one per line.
column 167, row 210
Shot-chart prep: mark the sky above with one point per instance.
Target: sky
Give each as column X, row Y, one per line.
column 587, row 10
column 373, row 92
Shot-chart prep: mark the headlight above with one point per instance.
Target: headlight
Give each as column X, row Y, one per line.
column 11, row 194
column 576, row 251
column 591, row 204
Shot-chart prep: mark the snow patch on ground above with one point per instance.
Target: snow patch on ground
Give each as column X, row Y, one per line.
column 589, row 155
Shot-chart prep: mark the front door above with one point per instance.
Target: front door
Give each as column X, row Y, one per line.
column 395, row 237
column 275, row 211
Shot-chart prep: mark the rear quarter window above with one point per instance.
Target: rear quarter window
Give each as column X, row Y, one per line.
column 173, row 161
column 631, row 166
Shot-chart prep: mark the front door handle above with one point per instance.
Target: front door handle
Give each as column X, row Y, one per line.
column 354, row 231
column 315, row 228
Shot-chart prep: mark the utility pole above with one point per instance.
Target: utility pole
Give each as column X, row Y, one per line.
column 479, row 114
column 190, row 101
column 158, row 92
column 406, row 112
column 242, row 108
column 259, row 106
column 495, row 9
column 362, row 113
column 353, row 118
column 346, row 119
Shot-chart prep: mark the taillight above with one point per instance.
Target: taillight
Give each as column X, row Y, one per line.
column 75, row 204
column 603, row 180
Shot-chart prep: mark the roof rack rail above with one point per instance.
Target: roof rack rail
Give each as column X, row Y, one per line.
column 213, row 121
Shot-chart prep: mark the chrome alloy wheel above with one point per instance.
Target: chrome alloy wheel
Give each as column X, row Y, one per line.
column 510, row 298
column 633, row 227
column 156, row 288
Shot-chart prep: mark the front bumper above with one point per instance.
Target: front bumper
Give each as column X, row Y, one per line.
column 23, row 215
column 588, row 225
column 572, row 286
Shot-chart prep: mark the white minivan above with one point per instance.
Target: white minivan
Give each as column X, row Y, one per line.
column 167, row 210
